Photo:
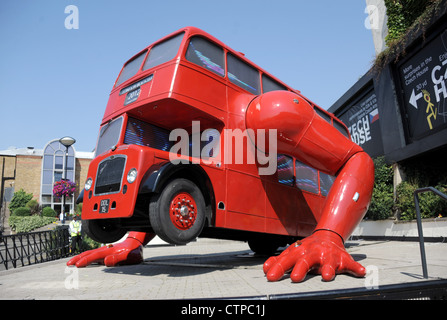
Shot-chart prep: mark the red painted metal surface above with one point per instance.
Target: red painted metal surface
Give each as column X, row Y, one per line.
column 183, row 211
column 179, row 93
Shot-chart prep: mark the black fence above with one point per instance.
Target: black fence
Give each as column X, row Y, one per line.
column 33, row 247
column 422, row 290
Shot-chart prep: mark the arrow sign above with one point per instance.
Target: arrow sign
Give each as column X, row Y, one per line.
column 414, row 99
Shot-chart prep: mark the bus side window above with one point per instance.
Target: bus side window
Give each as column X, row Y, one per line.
column 268, row 84
column 243, row 75
column 285, row 170
column 206, row 55
column 323, row 115
column 341, row 128
column 306, row 177
column 326, row 182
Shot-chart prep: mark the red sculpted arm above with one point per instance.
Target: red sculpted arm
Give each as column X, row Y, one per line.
column 323, row 251
column 130, row 251
column 312, row 140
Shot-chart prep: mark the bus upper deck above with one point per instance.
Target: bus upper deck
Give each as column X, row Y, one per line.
column 190, row 75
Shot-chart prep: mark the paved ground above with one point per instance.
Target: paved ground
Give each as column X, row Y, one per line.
column 214, row 269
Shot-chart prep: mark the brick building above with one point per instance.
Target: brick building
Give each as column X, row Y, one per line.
column 36, row 170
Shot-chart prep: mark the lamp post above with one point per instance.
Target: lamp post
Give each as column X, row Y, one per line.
column 67, row 142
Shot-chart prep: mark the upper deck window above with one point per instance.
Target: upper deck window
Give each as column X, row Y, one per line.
column 340, row 128
column 131, row 68
column 163, row 52
column 243, row 74
column 323, row 115
column 268, row 84
column 206, row 55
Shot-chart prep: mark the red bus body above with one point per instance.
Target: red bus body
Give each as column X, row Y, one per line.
column 240, row 203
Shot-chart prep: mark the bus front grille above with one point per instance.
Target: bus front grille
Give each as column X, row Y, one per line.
column 110, row 175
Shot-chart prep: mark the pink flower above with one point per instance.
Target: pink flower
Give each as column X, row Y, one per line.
column 63, row 187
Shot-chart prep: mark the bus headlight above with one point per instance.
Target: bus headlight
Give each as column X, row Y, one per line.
column 88, row 184
column 132, row 175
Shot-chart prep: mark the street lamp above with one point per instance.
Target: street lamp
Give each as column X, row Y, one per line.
column 67, row 142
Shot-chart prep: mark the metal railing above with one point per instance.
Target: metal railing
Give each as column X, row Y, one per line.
column 425, row 290
column 33, row 247
column 419, row 224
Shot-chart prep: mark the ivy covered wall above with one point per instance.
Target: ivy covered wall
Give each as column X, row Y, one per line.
column 402, row 14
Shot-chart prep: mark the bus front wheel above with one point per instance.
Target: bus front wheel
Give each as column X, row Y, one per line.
column 103, row 230
column 177, row 214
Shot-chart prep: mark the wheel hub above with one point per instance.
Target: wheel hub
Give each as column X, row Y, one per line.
column 183, row 211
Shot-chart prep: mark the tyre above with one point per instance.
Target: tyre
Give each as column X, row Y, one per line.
column 103, row 230
column 265, row 247
column 177, row 214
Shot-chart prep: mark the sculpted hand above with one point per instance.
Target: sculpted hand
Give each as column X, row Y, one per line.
column 130, row 251
column 323, row 252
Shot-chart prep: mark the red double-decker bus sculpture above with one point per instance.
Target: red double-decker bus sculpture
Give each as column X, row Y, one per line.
column 198, row 141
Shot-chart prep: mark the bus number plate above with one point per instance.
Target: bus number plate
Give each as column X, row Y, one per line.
column 104, row 206
column 132, row 96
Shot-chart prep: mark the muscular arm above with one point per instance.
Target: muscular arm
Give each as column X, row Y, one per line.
column 312, row 140
column 130, row 251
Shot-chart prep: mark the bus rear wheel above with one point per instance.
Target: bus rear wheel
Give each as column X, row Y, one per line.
column 177, row 214
column 264, row 247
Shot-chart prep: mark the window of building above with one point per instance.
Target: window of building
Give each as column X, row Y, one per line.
column 57, row 164
column 206, row 55
column 243, row 75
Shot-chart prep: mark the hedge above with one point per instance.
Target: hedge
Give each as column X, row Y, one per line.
column 27, row 224
column 21, row 212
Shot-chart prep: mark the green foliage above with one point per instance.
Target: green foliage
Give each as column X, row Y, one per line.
column 27, row 224
column 20, row 199
column 78, row 209
column 49, row 212
column 423, row 171
column 405, row 19
column 33, row 205
column 382, row 200
column 430, row 204
column 21, row 212
column 401, row 16
column 89, row 243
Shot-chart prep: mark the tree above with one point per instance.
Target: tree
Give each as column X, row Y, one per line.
column 20, row 199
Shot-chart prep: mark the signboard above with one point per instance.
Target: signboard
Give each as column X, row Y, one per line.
column 363, row 121
column 423, row 80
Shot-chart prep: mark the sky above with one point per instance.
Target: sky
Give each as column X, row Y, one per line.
column 55, row 81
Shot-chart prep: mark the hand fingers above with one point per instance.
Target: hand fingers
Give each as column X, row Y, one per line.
column 75, row 259
column 300, row 271
column 114, row 259
column 328, row 272
column 269, row 263
column 282, row 264
column 354, row 268
column 89, row 257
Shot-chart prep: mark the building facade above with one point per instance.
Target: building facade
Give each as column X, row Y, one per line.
column 36, row 170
